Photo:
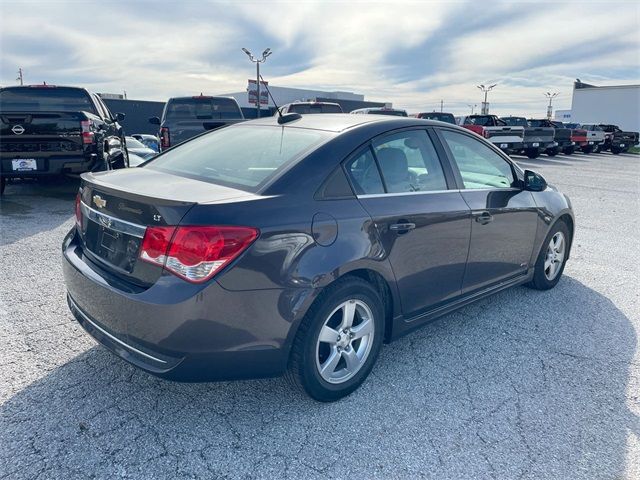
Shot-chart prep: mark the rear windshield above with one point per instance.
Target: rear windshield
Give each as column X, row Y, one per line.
column 515, row 121
column 306, row 108
column 202, row 108
column 244, row 157
column 396, row 113
column 442, row 117
column 45, row 99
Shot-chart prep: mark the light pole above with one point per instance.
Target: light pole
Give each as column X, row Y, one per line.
column 550, row 96
column 486, row 90
column 258, row 61
column 472, row 107
column 20, row 76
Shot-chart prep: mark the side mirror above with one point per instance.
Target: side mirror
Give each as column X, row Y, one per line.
column 154, row 121
column 119, row 117
column 534, row 182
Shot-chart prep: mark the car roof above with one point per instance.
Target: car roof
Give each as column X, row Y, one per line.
column 338, row 122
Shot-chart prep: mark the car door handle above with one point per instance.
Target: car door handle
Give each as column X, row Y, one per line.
column 402, row 227
column 484, row 217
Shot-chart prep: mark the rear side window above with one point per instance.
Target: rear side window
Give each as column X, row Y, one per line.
column 202, row 108
column 239, row 156
column 409, row 162
column 479, row 165
column 364, row 174
column 45, row 99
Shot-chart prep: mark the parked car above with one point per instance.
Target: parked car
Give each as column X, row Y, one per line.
column 579, row 137
column 381, row 111
column 134, row 146
column 310, row 107
column 440, row 116
column 186, row 117
column 50, row 130
column 561, row 135
column 618, row 141
column 150, row 141
column 301, row 244
column 595, row 137
column 536, row 139
column 508, row 139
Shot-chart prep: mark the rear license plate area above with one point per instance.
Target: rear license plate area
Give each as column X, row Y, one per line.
column 504, row 145
column 116, row 248
column 24, row 164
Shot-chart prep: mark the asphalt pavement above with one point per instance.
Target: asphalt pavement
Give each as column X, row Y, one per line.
column 526, row 384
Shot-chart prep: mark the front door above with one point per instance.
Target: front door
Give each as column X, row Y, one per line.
column 423, row 226
column 504, row 217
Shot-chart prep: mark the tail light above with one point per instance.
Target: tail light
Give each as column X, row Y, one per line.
column 78, row 210
column 87, row 133
column 165, row 141
column 195, row 253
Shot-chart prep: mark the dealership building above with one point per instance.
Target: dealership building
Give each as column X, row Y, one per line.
column 613, row 104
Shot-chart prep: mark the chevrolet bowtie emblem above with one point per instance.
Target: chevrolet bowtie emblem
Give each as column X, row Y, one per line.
column 99, row 201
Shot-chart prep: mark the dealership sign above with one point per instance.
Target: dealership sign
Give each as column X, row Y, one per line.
column 264, row 96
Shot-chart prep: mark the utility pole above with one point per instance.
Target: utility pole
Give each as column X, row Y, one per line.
column 550, row 96
column 258, row 61
column 485, row 104
column 20, row 76
column 472, row 107
column 441, row 105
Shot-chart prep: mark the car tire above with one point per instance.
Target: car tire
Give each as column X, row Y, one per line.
column 568, row 151
column 533, row 153
column 552, row 152
column 616, row 151
column 552, row 258
column 328, row 369
column 3, row 184
column 596, row 149
column 587, row 150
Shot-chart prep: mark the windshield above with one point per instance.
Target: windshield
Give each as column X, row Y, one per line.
column 241, row 156
column 442, row 117
column 45, row 99
column 202, row 108
column 397, row 113
column 306, row 108
column 133, row 143
column 515, row 121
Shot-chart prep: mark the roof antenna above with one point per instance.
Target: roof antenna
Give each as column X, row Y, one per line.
column 289, row 117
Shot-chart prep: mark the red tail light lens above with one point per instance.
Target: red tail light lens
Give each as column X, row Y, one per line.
column 165, row 141
column 87, row 133
column 195, row 253
column 78, row 210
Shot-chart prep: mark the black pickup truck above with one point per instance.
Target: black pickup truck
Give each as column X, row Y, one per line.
column 561, row 137
column 617, row 140
column 537, row 138
column 49, row 130
column 186, row 117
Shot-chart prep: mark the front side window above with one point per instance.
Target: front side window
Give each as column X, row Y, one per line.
column 479, row 165
column 409, row 162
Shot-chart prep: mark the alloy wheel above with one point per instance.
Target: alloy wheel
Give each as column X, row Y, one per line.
column 555, row 256
column 345, row 341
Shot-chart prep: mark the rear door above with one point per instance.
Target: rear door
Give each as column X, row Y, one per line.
column 423, row 225
column 504, row 217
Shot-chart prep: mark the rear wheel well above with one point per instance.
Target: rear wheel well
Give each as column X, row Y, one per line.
column 381, row 285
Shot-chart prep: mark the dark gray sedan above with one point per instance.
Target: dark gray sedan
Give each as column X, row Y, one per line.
column 299, row 245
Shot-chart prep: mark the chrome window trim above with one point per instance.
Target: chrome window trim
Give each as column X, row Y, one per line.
column 111, row 337
column 426, row 192
column 121, row 226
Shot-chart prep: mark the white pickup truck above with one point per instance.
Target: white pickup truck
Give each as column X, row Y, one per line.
column 507, row 138
column 595, row 138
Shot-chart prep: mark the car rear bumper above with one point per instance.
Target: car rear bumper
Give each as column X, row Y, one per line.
column 182, row 331
column 50, row 165
column 508, row 145
column 538, row 144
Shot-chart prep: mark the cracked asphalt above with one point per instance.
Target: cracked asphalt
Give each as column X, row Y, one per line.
column 526, row 384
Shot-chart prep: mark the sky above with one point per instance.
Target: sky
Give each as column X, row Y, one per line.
column 411, row 53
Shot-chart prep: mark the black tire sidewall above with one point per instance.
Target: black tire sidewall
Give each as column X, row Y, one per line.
column 313, row 383
column 540, row 281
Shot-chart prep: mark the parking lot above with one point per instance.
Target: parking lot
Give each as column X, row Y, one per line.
column 526, row 384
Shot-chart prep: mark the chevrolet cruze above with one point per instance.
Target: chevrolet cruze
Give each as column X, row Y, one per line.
column 298, row 245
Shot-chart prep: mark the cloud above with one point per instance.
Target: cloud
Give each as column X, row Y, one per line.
column 410, row 53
